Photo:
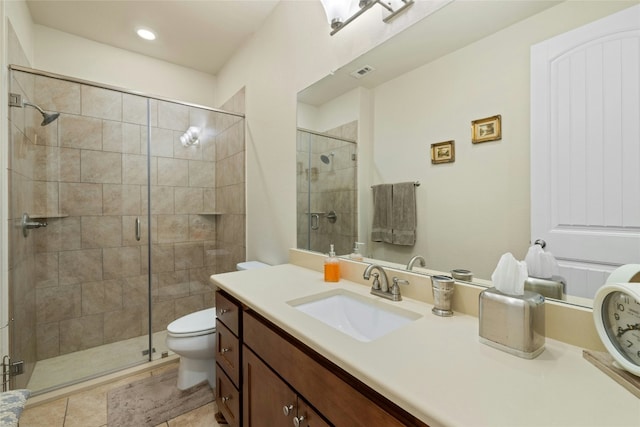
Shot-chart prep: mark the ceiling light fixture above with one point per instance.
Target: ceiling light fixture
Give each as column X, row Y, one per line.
column 191, row 137
column 146, row 34
column 341, row 13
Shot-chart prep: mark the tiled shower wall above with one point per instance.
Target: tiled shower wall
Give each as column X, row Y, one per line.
column 328, row 187
column 89, row 179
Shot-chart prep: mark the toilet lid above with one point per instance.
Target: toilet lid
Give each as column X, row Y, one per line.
column 200, row 321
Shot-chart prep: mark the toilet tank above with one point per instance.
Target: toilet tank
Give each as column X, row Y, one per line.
column 250, row 265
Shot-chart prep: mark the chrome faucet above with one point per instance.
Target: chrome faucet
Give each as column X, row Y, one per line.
column 413, row 261
column 381, row 287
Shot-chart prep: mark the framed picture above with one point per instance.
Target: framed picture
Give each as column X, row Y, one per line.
column 443, row 152
column 489, row 129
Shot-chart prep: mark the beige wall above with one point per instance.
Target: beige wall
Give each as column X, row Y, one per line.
column 292, row 50
column 69, row 55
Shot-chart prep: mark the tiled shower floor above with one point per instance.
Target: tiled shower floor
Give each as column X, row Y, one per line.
column 73, row 367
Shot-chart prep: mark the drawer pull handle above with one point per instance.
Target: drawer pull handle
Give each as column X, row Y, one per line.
column 287, row 409
column 225, row 399
column 223, row 311
column 297, row 421
column 225, row 350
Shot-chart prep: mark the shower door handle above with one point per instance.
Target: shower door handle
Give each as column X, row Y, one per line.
column 315, row 221
column 138, row 228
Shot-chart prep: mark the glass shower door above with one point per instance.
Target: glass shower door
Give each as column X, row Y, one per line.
column 79, row 287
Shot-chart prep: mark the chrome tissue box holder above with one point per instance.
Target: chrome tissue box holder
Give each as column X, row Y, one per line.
column 512, row 323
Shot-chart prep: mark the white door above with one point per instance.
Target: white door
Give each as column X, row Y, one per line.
column 585, row 148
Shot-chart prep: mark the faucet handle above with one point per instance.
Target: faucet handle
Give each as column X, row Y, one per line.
column 395, row 289
column 376, row 281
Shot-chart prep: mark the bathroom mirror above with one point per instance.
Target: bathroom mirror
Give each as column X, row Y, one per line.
column 425, row 86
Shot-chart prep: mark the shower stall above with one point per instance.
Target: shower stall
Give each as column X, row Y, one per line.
column 116, row 222
column 327, row 189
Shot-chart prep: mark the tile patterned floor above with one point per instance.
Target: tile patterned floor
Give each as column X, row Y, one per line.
column 89, row 408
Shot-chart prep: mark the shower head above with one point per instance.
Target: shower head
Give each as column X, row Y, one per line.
column 46, row 117
column 327, row 159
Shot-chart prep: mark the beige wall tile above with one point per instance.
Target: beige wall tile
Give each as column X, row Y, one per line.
column 45, row 135
column 188, row 305
column 46, row 269
column 101, row 231
column 100, row 297
column 134, row 109
column 173, row 172
column 202, row 174
column 161, row 142
column 48, row 339
column 121, row 199
column 57, row 95
column 81, row 199
column 188, row 200
column 45, row 197
column 173, row 116
column 162, row 258
column 199, row 280
column 80, row 132
column 173, row 285
column 121, row 262
column 134, row 169
column 59, row 235
column 58, row 303
column 123, row 324
column 173, row 228
column 134, row 292
column 69, row 168
column 89, row 259
column 192, row 152
column 80, row 333
column 100, row 167
column 209, row 202
column 163, row 314
column 202, row 227
column 230, row 170
column 102, row 103
column 230, row 199
column 189, row 255
column 162, row 200
column 120, row 137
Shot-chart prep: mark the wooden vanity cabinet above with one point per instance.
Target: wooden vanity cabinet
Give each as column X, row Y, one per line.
column 261, row 369
column 302, row 375
column 228, row 358
column 269, row 401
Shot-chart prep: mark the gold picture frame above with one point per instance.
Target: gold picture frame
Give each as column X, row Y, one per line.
column 443, row 152
column 487, row 129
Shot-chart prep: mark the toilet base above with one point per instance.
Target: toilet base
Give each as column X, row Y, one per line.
column 195, row 371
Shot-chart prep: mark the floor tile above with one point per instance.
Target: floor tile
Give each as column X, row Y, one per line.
column 46, row 415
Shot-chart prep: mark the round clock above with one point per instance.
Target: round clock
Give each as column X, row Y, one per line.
column 616, row 311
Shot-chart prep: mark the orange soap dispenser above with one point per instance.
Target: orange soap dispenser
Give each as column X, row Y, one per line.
column 331, row 267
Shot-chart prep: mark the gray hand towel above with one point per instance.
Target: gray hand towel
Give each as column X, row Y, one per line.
column 403, row 214
column 381, row 227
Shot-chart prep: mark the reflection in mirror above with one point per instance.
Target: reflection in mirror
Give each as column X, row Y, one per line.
column 326, row 188
column 477, row 208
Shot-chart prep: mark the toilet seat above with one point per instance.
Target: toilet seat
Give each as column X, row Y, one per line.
column 201, row 322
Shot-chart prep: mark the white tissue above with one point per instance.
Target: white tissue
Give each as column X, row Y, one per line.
column 541, row 264
column 510, row 275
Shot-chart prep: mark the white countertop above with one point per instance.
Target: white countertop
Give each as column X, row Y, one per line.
column 436, row 368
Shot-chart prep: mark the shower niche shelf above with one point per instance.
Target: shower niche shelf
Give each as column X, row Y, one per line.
column 209, row 213
column 48, row 215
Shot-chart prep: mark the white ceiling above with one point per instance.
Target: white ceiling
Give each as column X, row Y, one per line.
column 199, row 34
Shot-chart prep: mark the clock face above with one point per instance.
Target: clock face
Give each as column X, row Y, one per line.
column 621, row 319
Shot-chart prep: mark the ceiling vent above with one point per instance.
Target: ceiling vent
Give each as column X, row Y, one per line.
column 362, row 71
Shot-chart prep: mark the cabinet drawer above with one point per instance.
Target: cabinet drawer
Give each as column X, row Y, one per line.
column 227, row 398
column 228, row 352
column 349, row 402
column 228, row 312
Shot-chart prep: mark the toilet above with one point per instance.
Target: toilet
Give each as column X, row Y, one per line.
column 193, row 338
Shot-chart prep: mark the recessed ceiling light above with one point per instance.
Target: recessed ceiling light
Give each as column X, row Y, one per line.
column 146, row 34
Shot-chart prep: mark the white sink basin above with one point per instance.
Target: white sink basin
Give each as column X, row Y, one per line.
column 360, row 317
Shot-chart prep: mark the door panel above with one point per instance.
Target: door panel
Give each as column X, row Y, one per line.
column 585, row 148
